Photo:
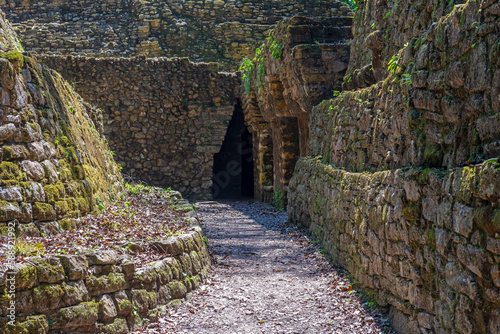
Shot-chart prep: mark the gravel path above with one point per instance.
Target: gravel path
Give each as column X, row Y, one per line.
column 268, row 278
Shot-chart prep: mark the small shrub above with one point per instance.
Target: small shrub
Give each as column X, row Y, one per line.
column 277, row 201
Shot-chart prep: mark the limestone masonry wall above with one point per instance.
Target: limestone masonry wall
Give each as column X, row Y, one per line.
column 438, row 106
column 102, row 292
column 385, row 188
column 164, row 118
column 383, row 27
column 55, row 166
column 54, row 161
column 301, row 63
column 424, row 242
column 204, row 30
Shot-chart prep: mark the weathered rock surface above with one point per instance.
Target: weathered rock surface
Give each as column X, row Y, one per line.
column 424, row 256
column 301, row 63
column 224, row 31
column 54, row 162
column 117, row 302
column 415, row 233
column 164, row 118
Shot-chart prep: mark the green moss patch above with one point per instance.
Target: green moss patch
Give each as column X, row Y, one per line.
column 15, row 57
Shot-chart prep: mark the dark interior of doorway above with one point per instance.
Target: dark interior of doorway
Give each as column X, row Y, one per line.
column 233, row 176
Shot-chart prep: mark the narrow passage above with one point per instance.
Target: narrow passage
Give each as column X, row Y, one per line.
column 268, row 278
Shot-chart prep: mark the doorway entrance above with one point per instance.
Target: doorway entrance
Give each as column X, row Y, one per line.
column 233, row 173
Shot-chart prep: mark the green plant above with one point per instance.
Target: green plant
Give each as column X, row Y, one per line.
column 261, row 72
column 407, row 79
column 276, row 50
column 246, row 68
column 352, row 4
column 392, row 66
column 277, row 201
column 24, row 248
column 99, row 204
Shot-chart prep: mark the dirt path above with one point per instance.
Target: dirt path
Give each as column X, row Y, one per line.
column 269, row 278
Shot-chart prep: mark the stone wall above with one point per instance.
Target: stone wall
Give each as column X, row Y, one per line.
column 164, row 118
column 55, row 163
column 102, row 292
column 204, row 30
column 437, row 107
column 301, row 63
column 425, row 242
column 382, row 27
column 385, row 188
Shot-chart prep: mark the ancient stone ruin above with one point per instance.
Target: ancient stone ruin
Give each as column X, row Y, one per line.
column 378, row 127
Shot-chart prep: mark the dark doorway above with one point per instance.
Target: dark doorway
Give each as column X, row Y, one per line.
column 233, row 175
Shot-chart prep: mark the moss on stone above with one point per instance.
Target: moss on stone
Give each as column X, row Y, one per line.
column 495, row 221
column 411, row 212
column 12, row 152
column 43, row 211
column 61, row 208
column 30, row 325
column 10, row 171
column 431, row 238
column 51, row 193
column 15, row 57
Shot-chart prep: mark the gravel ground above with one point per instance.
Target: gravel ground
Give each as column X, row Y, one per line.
column 267, row 277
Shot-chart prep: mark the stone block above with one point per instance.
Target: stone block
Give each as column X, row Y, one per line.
column 123, row 304
column 26, row 276
column 107, row 309
column 75, row 266
column 462, row 219
column 112, row 282
column 145, row 278
column 118, row 326
column 177, row 290
column 75, row 318
column 74, row 293
column 102, row 258
column 47, row 298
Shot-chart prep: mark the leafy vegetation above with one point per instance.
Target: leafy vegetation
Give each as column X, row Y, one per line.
column 392, row 66
column 277, row 201
column 246, row 68
column 352, row 4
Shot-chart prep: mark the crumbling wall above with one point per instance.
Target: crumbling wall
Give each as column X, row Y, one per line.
column 301, row 63
column 402, row 181
column 55, row 163
column 164, row 118
column 224, row 31
column 382, row 27
column 438, row 106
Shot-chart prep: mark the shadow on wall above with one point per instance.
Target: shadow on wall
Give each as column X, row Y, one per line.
column 233, row 175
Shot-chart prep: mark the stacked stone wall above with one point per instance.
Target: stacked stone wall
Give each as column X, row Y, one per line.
column 424, row 242
column 101, row 292
column 164, row 118
column 55, row 166
column 402, row 180
column 55, row 163
column 381, row 28
column 438, row 106
column 204, row 30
